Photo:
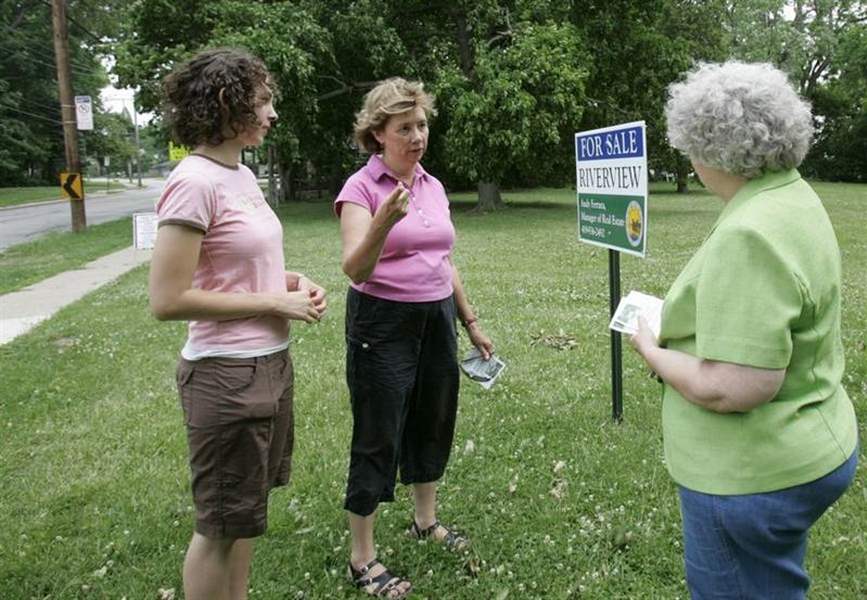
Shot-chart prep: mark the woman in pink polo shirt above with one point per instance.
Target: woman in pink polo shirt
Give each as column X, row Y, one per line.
column 218, row 263
column 401, row 339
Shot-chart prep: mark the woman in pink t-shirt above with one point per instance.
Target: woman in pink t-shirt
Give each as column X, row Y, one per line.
column 401, row 339
column 218, row 263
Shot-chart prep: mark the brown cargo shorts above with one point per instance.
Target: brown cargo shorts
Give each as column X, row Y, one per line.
column 240, row 431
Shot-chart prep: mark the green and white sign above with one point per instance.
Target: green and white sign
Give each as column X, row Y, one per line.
column 611, row 174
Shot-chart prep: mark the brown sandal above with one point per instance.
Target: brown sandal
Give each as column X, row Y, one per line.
column 451, row 540
column 385, row 585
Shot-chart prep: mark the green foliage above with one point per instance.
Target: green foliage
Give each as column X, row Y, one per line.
column 112, row 136
column 840, row 151
column 516, row 115
column 823, row 48
column 31, row 135
column 639, row 48
column 513, row 78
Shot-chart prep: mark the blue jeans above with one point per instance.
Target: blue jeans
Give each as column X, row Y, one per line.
column 753, row 545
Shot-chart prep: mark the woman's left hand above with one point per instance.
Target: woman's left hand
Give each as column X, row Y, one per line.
column 644, row 339
column 317, row 294
column 480, row 340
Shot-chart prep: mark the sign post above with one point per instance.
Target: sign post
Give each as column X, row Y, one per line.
column 611, row 175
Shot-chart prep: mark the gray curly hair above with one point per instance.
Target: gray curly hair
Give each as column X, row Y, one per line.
column 392, row 96
column 742, row 118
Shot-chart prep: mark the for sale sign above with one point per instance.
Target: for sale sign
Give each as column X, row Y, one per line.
column 611, row 173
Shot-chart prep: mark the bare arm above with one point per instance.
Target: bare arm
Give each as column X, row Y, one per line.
column 721, row 387
column 172, row 297
column 468, row 317
column 363, row 234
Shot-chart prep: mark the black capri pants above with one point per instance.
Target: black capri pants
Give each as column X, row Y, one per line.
column 402, row 373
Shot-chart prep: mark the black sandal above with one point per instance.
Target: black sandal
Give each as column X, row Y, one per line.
column 384, row 583
column 451, row 540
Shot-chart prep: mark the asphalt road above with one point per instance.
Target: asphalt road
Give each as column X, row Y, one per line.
column 24, row 223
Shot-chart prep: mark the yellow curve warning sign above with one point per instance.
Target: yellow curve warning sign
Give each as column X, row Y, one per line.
column 72, row 185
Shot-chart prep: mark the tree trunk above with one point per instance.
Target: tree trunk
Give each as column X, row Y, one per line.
column 682, row 174
column 465, row 45
column 287, row 190
column 489, row 197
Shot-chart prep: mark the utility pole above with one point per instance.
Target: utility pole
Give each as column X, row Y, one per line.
column 137, row 143
column 67, row 107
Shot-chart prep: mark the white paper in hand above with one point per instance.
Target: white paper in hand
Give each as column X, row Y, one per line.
column 625, row 319
column 484, row 372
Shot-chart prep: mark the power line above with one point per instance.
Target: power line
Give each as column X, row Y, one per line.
column 50, row 62
column 30, row 114
column 77, row 24
column 39, row 104
column 29, row 47
column 75, row 70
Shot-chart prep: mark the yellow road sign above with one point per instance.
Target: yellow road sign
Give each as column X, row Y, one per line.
column 178, row 152
column 71, row 185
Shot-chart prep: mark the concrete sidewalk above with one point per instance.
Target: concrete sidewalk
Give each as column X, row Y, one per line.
column 20, row 311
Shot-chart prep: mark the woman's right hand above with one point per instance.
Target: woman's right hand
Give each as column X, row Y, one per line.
column 297, row 306
column 392, row 209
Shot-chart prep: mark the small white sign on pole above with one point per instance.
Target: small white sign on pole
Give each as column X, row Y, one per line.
column 144, row 230
column 84, row 113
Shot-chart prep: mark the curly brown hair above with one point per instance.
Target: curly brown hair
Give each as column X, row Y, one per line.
column 193, row 106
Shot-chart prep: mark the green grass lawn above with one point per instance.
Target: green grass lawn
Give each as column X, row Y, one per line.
column 12, row 196
column 559, row 501
column 24, row 264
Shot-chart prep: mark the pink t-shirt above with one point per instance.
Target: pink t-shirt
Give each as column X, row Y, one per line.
column 414, row 264
column 242, row 251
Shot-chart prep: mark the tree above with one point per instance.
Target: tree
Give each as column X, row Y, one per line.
column 483, row 60
column 822, row 45
column 31, row 137
column 112, row 137
column 639, row 49
column 840, row 150
column 297, row 49
column 509, row 80
column 513, row 111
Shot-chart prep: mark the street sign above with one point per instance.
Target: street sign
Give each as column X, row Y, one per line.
column 71, row 185
column 178, row 152
column 611, row 174
column 144, row 230
column 84, row 113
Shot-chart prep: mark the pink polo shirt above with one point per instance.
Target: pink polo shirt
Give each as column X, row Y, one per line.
column 414, row 264
column 242, row 252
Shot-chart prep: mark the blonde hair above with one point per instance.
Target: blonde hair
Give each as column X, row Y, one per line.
column 392, row 96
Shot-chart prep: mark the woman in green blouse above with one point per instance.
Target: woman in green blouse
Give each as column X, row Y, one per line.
column 759, row 434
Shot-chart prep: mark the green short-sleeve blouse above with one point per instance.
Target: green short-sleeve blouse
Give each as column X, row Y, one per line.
column 763, row 290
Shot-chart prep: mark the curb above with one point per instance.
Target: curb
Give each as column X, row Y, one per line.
column 29, row 204
column 98, row 194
